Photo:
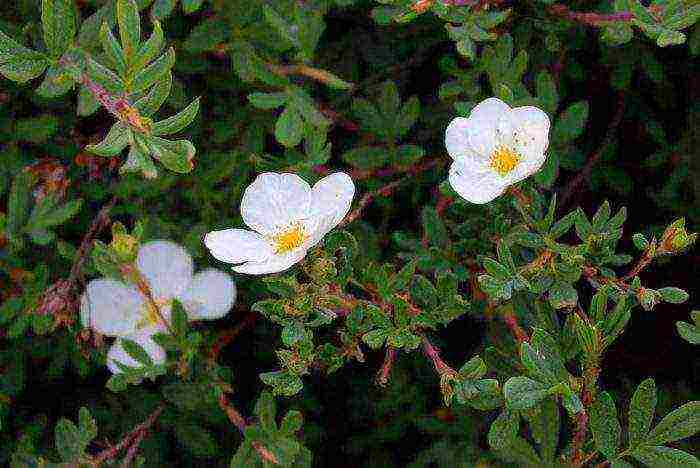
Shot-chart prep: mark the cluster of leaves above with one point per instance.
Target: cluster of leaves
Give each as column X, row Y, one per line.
column 309, row 86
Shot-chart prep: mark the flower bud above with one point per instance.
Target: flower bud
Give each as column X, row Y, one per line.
column 676, row 239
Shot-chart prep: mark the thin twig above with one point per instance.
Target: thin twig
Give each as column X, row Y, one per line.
column 573, row 186
column 516, row 330
column 389, row 188
column 389, row 358
column 590, row 18
column 239, row 421
column 433, row 353
column 98, row 224
column 227, row 336
column 136, row 435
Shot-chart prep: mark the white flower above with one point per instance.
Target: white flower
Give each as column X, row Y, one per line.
column 495, row 147
column 123, row 310
column 287, row 218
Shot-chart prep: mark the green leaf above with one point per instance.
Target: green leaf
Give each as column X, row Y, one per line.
column 104, row 77
column 571, row 123
column 678, row 424
column 155, row 72
column 267, row 100
column 641, row 411
column 504, row 430
column 389, row 99
column 190, row 6
column 116, row 140
column 562, row 294
column 179, row 319
column 673, row 295
column 523, row 393
column 151, row 48
column 434, row 228
column 19, row 202
column 47, row 215
column 292, row 422
column 375, row 338
column 136, row 351
column 547, row 94
column 176, row 155
column 665, row 457
column 604, row 425
column 545, row 423
column 366, row 157
column 289, row 128
column 669, row 37
column 265, row 410
column 129, row 27
column 154, row 100
column 58, row 21
column 112, row 49
column 24, row 67
column 36, row 129
column 87, row 104
column 283, row 28
column 549, row 171
column 69, row 443
column 177, row 122
column 163, row 8
column 196, row 439
column 408, row 155
column 407, row 116
column 56, row 83
column 690, row 333
column 87, row 425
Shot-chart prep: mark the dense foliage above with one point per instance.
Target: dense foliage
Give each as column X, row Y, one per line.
column 416, row 307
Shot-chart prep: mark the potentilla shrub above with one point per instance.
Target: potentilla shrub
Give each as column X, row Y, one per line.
column 212, row 208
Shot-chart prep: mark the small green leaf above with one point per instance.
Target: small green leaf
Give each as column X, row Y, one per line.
column 136, row 351
column 571, row 123
column 678, row 424
column 155, row 72
column 177, row 122
column 366, row 157
column 641, row 411
column 665, row 457
column 267, row 100
column 289, row 128
column 69, row 443
column 604, row 425
column 129, row 27
column 523, row 393
column 116, row 140
column 112, row 49
column 673, row 295
column 58, row 21
column 151, row 48
column 504, row 430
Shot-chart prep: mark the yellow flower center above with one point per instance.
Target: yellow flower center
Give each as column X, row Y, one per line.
column 504, row 160
column 289, row 239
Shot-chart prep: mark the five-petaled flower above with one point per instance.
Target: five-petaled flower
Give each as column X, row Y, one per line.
column 287, row 218
column 163, row 272
column 495, row 147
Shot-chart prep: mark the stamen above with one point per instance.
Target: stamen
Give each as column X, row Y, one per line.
column 504, row 160
column 289, row 239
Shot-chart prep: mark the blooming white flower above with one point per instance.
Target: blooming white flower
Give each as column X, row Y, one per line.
column 115, row 308
column 287, row 218
column 495, row 147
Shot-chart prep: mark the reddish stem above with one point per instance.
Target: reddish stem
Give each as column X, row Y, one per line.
column 389, row 358
column 237, row 419
column 516, row 330
column 590, row 18
column 133, row 437
column 433, row 353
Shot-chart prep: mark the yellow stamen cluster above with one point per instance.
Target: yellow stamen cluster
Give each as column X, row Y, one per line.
column 289, row 239
column 504, row 160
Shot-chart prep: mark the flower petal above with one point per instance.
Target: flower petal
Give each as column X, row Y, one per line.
column 166, row 266
column 475, row 187
column 274, row 264
column 110, row 307
column 144, row 337
column 238, row 246
column 274, row 201
column 483, row 122
column 531, row 137
column 331, row 198
column 210, row 296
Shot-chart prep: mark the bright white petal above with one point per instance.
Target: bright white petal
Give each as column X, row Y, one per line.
column 457, row 138
column 483, row 122
column 110, row 307
column 331, row 198
column 475, row 187
column 274, row 264
column 166, row 266
column 531, row 131
column 210, row 296
column 238, row 246
column 143, row 337
column 274, row 201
